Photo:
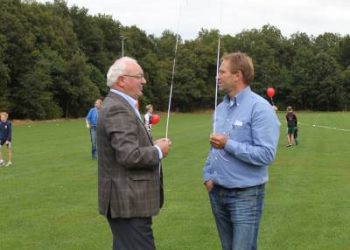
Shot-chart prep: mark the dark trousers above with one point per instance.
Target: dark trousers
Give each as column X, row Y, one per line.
column 132, row 233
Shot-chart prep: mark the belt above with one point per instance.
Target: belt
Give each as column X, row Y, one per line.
column 238, row 188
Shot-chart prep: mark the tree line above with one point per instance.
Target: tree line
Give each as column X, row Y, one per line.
column 53, row 61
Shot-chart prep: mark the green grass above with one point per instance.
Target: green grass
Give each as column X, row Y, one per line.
column 48, row 198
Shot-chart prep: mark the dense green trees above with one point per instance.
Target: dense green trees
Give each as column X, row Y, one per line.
column 53, row 61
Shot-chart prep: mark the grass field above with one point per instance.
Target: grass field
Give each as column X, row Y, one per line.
column 48, row 199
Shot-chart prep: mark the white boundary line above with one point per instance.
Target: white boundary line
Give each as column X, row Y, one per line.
column 326, row 127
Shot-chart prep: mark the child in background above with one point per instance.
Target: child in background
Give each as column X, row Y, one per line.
column 148, row 118
column 292, row 122
column 5, row 138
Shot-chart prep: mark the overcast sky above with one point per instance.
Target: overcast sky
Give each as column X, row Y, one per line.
column 187, row 17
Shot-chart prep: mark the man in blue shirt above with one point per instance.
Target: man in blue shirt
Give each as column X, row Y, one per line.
column 91, row 121
column 243, row 144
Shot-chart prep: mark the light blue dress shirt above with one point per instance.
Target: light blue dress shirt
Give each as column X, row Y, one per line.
column 133, row 104
column 253, row 129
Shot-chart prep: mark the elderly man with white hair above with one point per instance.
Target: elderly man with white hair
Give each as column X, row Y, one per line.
column 130, row 184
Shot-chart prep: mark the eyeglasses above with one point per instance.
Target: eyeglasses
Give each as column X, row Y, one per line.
column 139, row 77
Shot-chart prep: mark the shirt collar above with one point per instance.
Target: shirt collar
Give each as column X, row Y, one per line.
column 238, row 98
column 129, row 99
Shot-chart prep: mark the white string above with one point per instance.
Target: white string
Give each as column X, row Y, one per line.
column 217, row 68
column 172, row 76
column 216, row 84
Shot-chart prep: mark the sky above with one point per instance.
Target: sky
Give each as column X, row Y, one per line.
column 188, row 17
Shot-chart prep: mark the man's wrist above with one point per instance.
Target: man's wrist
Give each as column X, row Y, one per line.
column 160, row 153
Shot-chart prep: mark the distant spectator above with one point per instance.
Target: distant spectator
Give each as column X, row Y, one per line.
column 296, row 132
column 292, row 122
column 148, row 118
column 91, row 121
column 5, row 138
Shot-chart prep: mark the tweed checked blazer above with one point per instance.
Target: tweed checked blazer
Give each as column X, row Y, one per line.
column 129, row 169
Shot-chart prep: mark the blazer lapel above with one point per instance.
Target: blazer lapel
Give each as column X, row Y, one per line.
column 131, row 112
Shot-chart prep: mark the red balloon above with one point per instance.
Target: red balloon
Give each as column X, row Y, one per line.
column 270, row 92
column 155, row 119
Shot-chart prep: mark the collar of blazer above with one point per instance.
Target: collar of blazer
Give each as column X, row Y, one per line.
column 130, row 109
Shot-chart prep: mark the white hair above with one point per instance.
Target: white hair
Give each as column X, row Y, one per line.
column 117, row 69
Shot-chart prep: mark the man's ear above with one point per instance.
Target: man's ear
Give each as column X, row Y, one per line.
column 120, row 81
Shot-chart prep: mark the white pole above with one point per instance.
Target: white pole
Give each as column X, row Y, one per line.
column 217, row 70
column 123, row 38
column 172, row 77
column 171, row 88
column 216, row 84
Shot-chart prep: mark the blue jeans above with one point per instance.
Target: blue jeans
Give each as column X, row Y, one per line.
column 93, row 142
column 237, row 214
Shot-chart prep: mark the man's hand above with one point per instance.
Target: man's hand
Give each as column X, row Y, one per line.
column 87, row 125
column 218, row 141
column 164, row 144
column 209, row 185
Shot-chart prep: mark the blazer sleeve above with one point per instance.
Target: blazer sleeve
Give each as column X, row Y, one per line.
column 129, row 139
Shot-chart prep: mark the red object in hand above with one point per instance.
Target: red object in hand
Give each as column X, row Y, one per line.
column 270, row 92
column 155, row 119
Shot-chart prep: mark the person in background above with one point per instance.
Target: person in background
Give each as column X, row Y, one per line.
column 5, row 138
column 148, row 118
column 292, row 122
column 296, row 134
column 91, row 122
column 243, row 145
column 130, row 179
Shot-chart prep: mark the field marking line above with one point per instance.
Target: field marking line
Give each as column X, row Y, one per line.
column 326, row 127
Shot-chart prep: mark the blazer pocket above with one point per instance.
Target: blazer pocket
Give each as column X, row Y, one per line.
column 141, row 176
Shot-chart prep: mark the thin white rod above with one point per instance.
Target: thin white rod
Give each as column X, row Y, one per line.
column 171, row 91
column 216, row 83
column 172, row 78
column 217, row 68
